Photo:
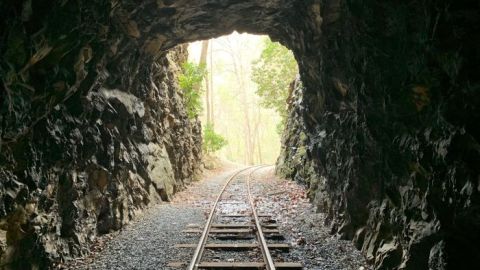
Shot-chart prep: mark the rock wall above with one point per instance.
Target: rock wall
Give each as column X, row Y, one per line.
column 92, row 125
column 386, row 131
column 92, row 130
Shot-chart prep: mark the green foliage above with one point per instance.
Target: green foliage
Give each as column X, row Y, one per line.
column 191, row 83
column 273, row 72
column 212, row 141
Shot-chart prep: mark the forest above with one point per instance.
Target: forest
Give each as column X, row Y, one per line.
column 241, row 95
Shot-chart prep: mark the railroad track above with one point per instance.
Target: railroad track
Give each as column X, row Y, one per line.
column 234, row 225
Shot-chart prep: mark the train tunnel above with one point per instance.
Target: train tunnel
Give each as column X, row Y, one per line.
column 384, row 130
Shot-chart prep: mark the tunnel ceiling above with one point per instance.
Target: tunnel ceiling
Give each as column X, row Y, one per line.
column 156, row 26
column 103, row 34
column 164, row 24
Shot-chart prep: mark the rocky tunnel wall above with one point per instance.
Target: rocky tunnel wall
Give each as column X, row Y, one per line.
column 387, row 138
column 93, row 130
column 382, row 129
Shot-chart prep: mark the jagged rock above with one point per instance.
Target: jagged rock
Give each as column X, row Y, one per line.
column 385, row 144
column 159, row 170
column 95, row 161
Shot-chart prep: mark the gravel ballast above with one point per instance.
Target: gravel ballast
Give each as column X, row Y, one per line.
column 302, row 227
column 148, row 243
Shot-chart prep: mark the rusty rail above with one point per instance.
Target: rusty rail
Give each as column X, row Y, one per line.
column 269, row 264
column 197, row 255
column 256, row 226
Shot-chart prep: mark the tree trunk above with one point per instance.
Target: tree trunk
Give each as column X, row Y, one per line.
column 258, row 137
column 203, row 61
column 210, row 90
column 238, row 70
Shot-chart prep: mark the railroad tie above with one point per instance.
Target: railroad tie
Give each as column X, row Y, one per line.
column 239, row 265
column 247, row 224
column 235, row 246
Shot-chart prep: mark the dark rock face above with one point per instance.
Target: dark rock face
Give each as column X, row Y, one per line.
column 92, row 125
column 384, row 129
column 94, row 163
column 387, row 140
column 92, row 131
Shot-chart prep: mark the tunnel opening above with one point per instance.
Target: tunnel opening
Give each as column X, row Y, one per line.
column 247, row 84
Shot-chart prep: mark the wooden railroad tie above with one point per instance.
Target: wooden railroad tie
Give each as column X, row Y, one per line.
column 242, row 215
column 233, row 246
column 233, row 236
column 248, row 225
column 220, row 231
column 232, row 231
column 234, row 225
column 240, row 265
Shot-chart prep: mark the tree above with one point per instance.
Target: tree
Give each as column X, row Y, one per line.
column 203, row 62
column 212, row 141
column 190, row 82
column 273, row 72
column 240, row 72
column 249, row 127
column 210, row 88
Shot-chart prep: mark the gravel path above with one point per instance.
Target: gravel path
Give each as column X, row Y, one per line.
column 311, row 242
column 148, row 243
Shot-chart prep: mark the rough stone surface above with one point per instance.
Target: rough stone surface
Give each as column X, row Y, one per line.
column 384, row 131
column 387, row 135
column 88, row 140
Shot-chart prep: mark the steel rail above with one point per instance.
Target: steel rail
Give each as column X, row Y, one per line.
column 197, row 255
column 270, row 265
